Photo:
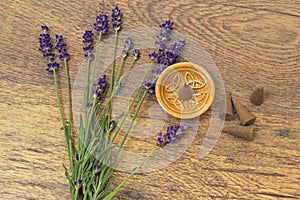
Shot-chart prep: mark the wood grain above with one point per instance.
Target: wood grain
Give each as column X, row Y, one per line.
column 252, row 43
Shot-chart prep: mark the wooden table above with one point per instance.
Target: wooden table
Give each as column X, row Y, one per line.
column 252, row 43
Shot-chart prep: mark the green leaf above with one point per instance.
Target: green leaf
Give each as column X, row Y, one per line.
column 67, row 175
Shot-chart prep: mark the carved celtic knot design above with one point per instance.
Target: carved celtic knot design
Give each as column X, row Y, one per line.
column 187, row 80
column 185, row 90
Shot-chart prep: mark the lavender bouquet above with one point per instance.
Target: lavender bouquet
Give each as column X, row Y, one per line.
column 90, row 172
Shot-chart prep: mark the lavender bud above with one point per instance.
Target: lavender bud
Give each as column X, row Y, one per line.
column 88, row 43
column 136, row 54
column 112, row 124
column 79, row 182
column 101, row 24
column 116, row 19
column 100, row 88
column 61, row 47
column 97, row 167
column 127, row 46
column 52, row 66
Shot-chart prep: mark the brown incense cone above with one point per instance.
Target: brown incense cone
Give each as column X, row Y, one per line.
column 245, row 116
column 228, row 113
column 244, row 132
column 257, row 97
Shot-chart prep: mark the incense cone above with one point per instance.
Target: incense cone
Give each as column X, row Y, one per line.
column 257, row 97
column 244, row 132
column 245, row 116
column 228, row 113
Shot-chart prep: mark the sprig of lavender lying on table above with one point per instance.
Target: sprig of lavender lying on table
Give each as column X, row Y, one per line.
column 91, row 161
column 165, row 55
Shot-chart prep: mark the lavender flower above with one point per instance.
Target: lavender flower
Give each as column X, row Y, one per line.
column 153, row 55
column 167, row 57
column 116, row 19
column 127, row 47
column 46, row 47
column 100, row 88
column 176, row 48
column 150, row 87
column 46, row 44
column 173, row 133
column 52, row 66
column 136, row 54
column 164, row 59
column 164, row 34
column 45, row 28
column 79, row 182
column 101, row 24
column 88, row 43
column 112, row 124
column 61, row 47
column 97, row 167
column 160, row 139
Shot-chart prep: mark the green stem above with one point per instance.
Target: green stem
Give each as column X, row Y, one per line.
column 95, row 59
column 62, row 115
column 113, row 63
column 133, row 119
column 87, row 81
column 70, row 112
column 76, row 193
column 69, row 92
column 108, row 111
column 131, row 104
column 115, row 90
column 120, row 68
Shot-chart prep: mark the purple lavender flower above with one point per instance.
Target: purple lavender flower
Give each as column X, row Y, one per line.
column 136, row 54
column 153, row 55
column 176, row 48
column 160, row 139
column 167, row 57
column 61, row 47
column 88, row 44
column 97, row 167
column 150, row 86
column 173, row 133
column 127, row 47
column 100, row 88
column 46, row 48
column 45, row 28
column 46, row 44
column 116, row 18
column 101, row 24
column 164, row 59
column 164, row 34
column 52, row 66
column 112, row 124
column 79, row 182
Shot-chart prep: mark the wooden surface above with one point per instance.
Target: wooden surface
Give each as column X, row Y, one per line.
column 252, row 43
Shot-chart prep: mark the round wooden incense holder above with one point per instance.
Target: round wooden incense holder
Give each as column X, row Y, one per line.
column 185, row 90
